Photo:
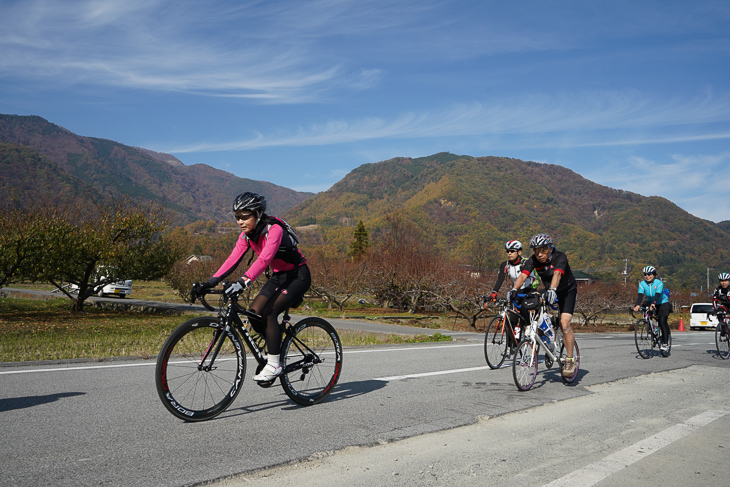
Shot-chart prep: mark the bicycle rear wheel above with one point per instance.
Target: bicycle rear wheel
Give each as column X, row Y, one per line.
column 643, row 338
column 200, row 369
column 722, row 340
column 524, row 367
column 563, row 354
column 496, row 342
column 312, row 361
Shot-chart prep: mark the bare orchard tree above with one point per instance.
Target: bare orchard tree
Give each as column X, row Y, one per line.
column 337, row 280
column 403, row 268
column 461, row 291
column 595, row 300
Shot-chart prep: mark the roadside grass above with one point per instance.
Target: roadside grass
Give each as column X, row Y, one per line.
column 32, row 330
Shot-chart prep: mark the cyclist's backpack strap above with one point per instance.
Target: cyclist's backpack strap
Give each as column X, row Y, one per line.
column 287, row 251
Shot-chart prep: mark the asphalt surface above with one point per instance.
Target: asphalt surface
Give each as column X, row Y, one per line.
column 422, row 414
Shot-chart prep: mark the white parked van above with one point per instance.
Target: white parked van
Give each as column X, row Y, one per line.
column 698, row 318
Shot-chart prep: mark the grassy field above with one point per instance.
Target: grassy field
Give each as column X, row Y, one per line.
column 32, row 330
column 47, row 330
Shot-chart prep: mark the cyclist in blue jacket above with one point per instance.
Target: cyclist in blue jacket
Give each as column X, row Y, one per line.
column 651, row 291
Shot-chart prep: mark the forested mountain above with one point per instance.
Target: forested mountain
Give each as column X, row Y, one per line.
column 463, row 205
column 100, row 168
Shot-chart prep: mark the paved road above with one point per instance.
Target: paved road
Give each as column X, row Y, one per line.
column 102, row 424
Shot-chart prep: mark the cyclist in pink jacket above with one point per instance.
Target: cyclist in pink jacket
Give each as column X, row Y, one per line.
column 275, row 245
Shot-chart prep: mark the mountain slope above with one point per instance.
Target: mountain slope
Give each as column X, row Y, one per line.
column 457, row 200
column 25, row 174
column 113, row 169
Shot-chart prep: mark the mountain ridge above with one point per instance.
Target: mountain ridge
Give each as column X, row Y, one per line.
column 456, row 201
column 197, row 192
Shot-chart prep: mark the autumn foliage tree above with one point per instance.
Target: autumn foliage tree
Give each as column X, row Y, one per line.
column 110, row 244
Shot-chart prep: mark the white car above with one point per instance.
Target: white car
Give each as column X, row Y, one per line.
column 698, row 318
column 119, row 288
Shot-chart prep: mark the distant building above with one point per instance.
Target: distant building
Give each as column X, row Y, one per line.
column 584, row 278
column 198, row 258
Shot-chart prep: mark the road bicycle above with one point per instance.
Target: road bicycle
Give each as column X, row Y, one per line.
column 202, row 365
column 501, row 337
column 722, row 333
column 536, row 336
column 647, row 334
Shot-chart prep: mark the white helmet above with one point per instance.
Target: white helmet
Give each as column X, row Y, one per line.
column 650, row 270
column 513, row 245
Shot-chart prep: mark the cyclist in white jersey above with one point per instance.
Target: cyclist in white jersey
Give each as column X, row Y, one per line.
column 512, row 268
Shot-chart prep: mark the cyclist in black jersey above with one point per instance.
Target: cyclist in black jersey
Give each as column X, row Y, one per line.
column 554, row 271
column 721, row 296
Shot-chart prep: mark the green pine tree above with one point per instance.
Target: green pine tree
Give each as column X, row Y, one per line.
column 360, row 242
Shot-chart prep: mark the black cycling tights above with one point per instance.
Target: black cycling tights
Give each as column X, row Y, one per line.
column 664, row 327
column 279, row 293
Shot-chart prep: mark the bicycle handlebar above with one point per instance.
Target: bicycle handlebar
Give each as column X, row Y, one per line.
column 201, row 293
column 643, row 310
column 542, row 297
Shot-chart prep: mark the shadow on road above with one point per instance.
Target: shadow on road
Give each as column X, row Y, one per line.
column 12, row 403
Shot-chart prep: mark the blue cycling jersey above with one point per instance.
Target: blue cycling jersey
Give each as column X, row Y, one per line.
column 651, row 290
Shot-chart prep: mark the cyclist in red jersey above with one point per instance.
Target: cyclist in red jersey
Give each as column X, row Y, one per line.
column 275, row 248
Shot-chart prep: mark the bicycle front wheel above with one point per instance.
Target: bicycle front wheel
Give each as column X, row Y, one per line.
column 200, row 369
column 524, row 367
column 722, row 341
column 312, row 361
column 643, row 338
column 495, row 342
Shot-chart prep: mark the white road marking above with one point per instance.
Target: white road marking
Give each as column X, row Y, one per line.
column 248, row 356
column 427, row 374
column 611, row 464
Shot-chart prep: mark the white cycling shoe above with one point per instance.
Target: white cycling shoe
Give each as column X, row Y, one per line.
column 269, row 372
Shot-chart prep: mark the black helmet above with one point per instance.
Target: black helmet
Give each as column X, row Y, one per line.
column 250, row 201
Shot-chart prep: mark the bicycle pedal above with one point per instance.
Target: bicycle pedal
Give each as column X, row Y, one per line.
column 267, row 384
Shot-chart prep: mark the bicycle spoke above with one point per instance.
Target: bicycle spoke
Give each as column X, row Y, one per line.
column 524, row 367
column 722, row 340
column 496, row 342
column 312, row 361
column 200, row 370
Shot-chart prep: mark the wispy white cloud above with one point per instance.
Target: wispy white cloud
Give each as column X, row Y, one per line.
column 285, row 51
column 253, row 49
column 686, row 180
column 573, row 116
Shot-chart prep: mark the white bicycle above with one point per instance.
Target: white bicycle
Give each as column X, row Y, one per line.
column 541, row 333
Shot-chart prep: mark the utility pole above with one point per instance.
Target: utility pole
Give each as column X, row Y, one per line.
column 626, row 270
column 708, row 279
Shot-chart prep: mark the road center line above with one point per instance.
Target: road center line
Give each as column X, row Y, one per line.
column 611, row 464
column 427, row 374
column 248, row 356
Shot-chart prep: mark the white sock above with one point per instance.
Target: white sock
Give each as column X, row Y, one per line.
column 273, row 360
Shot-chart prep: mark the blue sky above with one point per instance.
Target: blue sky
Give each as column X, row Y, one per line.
column 630, row 94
